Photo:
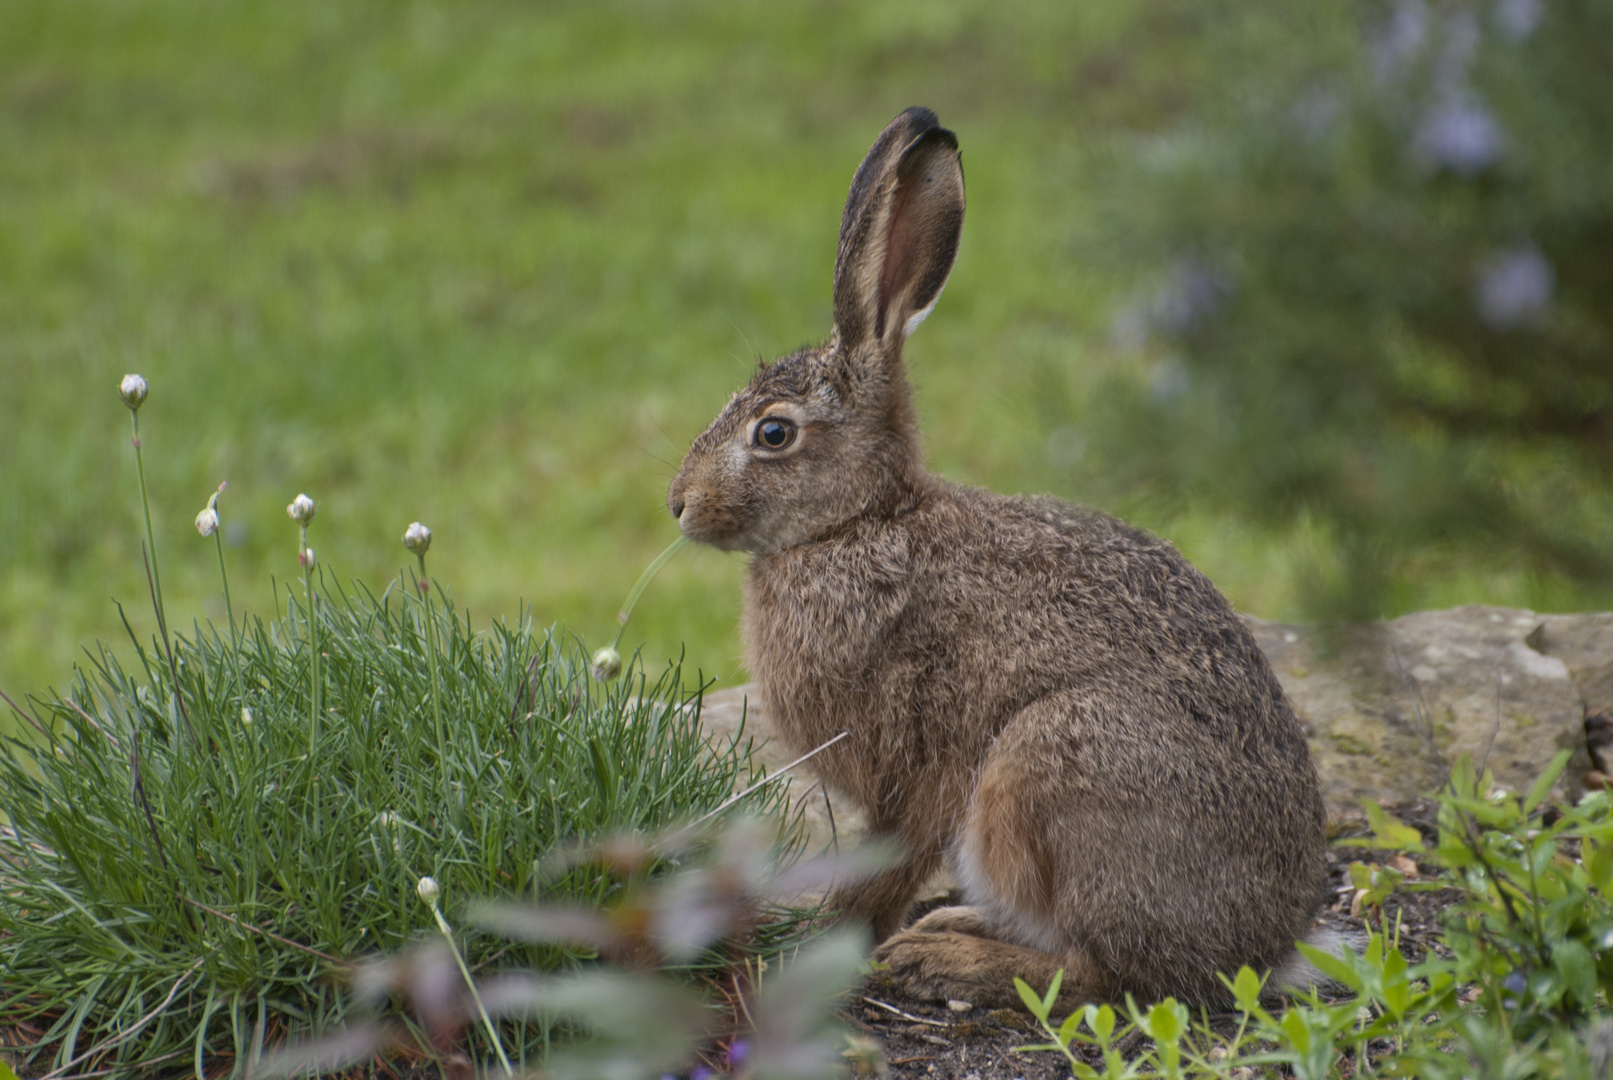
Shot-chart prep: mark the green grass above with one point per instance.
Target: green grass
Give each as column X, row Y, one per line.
column 491, row 265
column 240, row 842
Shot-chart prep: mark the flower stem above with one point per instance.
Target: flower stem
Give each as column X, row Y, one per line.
column 145, row 505
column 229, row 611
column 154, row 579
column 643, row 583
column 492, row 1032
column 313, row 641
column 424, row 586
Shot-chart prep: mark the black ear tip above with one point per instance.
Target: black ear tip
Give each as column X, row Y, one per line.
column 924, row 126
column 920, row 119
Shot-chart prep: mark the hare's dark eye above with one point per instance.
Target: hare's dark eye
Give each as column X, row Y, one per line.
column 774, row 434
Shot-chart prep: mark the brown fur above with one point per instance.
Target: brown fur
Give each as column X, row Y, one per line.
column 1056, row 702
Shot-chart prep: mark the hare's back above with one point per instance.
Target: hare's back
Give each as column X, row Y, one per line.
column 1100, row 604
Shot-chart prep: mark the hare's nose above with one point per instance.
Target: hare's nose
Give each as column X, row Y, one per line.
column 674, row 503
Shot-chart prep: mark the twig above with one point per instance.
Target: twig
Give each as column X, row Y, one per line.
column 910, row 1060
column 259, row 930
column 834, row 833
column 521, row 695
column 75, row 707
column 731, row 800
column 18, row 710
column 1424, row 713
column 140, row 796
column 1128, row 1041
column 491, row 959
column 1495, row 728
column 129, row 1032
column 905, row 1015
column 119, row 1068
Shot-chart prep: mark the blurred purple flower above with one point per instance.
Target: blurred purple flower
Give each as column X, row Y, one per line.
column 1459, row 134
column 1193, row 291
column 1394, row 44
column 1129, row 331
column 1514, row 286
column 1169, row 380
column 1314, row 113
column 1517, row 19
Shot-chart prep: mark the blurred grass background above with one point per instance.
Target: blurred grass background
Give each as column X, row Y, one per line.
column 492, row 265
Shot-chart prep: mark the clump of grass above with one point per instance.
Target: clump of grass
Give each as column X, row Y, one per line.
column 198, row 842
column 246, row 868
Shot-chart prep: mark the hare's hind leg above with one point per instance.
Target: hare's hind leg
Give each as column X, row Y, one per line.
column 1011, row 870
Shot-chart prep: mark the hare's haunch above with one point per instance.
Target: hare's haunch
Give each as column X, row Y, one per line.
column 1056, row 702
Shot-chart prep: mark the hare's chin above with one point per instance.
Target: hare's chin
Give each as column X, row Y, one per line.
column 722, row 539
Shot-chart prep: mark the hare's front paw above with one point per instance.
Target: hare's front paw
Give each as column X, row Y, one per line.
column 945, row 965
column 958, row 920
column 921, row 963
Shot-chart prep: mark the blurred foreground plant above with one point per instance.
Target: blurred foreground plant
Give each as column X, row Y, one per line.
column 645, row 1022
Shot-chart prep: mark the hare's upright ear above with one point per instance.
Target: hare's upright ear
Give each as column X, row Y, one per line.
column 899, row 233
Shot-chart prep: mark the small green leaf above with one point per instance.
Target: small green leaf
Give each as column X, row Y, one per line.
column 1101, row 1019
column 1396, row 984
column 1299, row 1033
column 1052, row 994
column 1246, row 989
column 1166, row 1021
column 1031, row 998
column 1067, row 1029
column 1332, row 966
column 6, row 1073
column 1542, row 787
column 1390, row 832
column 1573, row 960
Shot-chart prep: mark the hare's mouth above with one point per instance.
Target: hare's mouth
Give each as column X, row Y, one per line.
column 699, row 518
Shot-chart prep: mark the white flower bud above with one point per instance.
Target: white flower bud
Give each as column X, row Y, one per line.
column 207, row 522
column 133, row 391
column 301, row 510
column 428, row 890
column 246, row 716
column 417, row 538
column 607, row 664
column 306, row 557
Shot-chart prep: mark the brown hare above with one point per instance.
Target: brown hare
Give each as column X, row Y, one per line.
column 1054, row 701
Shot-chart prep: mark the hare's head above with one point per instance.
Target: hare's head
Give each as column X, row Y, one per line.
column 825, row 435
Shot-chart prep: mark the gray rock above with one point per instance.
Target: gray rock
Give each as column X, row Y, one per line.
column 1388, row 707
column 1585, row 644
